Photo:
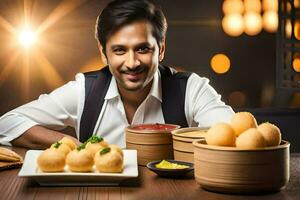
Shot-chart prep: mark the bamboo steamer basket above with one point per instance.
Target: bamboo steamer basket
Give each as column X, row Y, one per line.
column 241, row 171
column 151, row 144
column 183, row 142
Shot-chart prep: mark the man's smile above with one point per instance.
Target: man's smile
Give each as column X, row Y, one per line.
column 133, row 75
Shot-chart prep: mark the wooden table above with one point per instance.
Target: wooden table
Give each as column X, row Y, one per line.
column 147, row 186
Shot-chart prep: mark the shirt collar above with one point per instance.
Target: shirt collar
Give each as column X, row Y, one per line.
column 112, row 91
column 155, row 91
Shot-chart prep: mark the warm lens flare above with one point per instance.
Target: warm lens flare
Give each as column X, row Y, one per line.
column 27, row 37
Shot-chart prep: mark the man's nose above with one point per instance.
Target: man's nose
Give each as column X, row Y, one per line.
column 132, row 60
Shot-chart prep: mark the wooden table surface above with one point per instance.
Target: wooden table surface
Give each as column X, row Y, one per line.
column 147, row 186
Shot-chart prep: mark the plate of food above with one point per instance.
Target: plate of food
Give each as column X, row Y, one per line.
column 83, row 165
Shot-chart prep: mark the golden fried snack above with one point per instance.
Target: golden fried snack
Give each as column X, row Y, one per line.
column 115, row 147
column 61, row 147
column 9, row 155
column 68, row 141
column 51, row 160
column 242, row 121
column 221, row 134
column 80, row 160
column 250, row 139
column 108, row 161
column 271, row 133
column 94, row 143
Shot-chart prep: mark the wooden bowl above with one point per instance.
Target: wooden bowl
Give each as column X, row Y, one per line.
column 152, row 141
column 233, row 170
column 183, row 142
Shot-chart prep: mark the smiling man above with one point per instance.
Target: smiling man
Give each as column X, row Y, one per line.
column 133, row 88
column 133, row 56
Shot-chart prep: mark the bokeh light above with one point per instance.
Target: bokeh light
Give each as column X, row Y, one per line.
column 270, row 5
column 297, row 29
column 233, row 24
column 253, row 23
column 252, row 6
column 220, row 63
column 297, row 3
column 296, row 64
column 288, row 29
column 233, row 6
column 237, row 99
column 270, row 21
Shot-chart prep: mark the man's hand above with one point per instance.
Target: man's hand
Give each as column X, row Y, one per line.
column 38, row 137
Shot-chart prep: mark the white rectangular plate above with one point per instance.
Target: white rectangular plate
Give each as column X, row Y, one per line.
column 67, row 178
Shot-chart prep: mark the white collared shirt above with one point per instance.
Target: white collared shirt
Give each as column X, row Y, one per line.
column 63, row 107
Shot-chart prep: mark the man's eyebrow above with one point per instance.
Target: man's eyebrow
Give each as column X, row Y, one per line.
column 137, row 45
column 143, row 44
column 117, row 46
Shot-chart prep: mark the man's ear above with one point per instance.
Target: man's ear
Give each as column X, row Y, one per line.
column 162, row 47
column 102, row 54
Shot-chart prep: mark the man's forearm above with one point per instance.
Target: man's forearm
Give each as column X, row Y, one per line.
column 38, row 137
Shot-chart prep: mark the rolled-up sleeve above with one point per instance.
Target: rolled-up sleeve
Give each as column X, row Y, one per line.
column 55, row 111
column 203, row 104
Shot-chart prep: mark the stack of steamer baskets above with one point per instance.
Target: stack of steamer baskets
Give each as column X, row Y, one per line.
column 183, row 142
column 152, row 141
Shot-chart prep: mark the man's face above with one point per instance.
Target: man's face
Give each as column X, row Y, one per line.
column 133, row 55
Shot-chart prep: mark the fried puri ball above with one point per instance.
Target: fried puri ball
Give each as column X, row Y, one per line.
column 61, row 147
column 250, row 139
column 68, row 141
column 108, row 161
column 221, row 134
column 51, row 160
column 271, row 133
column 115, row 147
column 242, row 121
column 80, row 160
column 94, row 143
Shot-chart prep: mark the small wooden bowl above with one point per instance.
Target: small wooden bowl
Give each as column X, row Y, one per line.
column 233, row 170
column 152, row 141
column 183, row 142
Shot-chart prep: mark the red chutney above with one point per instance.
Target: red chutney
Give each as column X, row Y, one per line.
column 154, row 127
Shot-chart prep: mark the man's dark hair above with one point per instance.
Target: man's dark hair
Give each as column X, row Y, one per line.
column 122, row 12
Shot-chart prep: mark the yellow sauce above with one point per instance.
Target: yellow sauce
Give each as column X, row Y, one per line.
column 169, row 165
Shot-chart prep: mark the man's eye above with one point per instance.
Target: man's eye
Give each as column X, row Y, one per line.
column 119, row 51
column 143, row 49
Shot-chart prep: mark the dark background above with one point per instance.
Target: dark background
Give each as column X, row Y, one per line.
column 194, row 36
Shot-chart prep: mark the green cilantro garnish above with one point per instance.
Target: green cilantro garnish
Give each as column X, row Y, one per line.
column 94, row 139
column 57, row 144
column 82, row 146
column 104, row 150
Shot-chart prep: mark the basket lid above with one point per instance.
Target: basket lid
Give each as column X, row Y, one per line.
column 191, row 132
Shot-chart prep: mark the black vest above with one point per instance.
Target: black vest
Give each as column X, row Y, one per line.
column 96, row 85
